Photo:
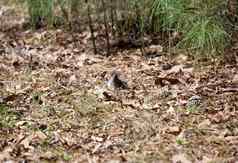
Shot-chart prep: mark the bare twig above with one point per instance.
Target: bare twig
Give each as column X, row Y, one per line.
column 106, row 27
column 112, row 14
column 91, row 27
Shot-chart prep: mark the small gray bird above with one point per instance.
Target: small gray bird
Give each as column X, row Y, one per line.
column 116, row 83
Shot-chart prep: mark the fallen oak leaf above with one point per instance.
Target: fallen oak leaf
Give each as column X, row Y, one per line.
column 174, row 130
column 220, row 117
column 26, row 142
column 162, row 81
column 48, row 156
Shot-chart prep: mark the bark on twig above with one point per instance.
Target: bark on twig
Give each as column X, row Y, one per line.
column 106, row 27
column 91, row 26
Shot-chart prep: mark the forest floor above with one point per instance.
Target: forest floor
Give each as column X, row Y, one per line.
column 55, row 105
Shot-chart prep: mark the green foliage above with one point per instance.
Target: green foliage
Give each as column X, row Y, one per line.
column 74, row 7
column 40, row 11
column 192, row 109
column 205, row 36
column 132, row 17
column 67, row 157
column 180, row 141
column 167, row 14
column 7, row 117
column 70, row 8
column 196, row 20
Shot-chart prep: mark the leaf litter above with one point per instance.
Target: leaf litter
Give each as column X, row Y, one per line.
column 56, row 106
